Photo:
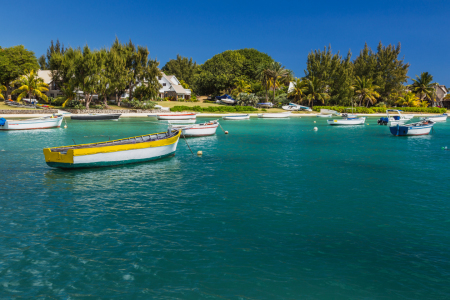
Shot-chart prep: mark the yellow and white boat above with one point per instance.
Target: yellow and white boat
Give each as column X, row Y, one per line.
column 118, row 152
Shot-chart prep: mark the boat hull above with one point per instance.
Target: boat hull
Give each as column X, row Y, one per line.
column 112, row 155
column 275, row 115
column 228, row 101
column 357, row 121
column 200, row 131
column 177, row 117
column 410, row 130
column 324, row 116
column 44, row 123
column 238, row 117
column 441, row 118
column 95, row 117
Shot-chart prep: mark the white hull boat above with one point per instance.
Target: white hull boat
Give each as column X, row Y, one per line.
column 236, row 117
column 37, row 123
column 275, row 115
column 191, row 121
column 394, row 119
column 420, row 128
column 186, row 116
column 347, row 121
column 324, row 115
column 439, row 118
column 228, row 101
column 203, row 129
column 295, row 107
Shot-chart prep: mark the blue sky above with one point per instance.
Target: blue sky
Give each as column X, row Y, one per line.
column 286, row 30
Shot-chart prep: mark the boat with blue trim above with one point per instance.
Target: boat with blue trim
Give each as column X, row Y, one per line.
column 53, row 121
column 419, row 128
column 394, row 119
column 111, row 153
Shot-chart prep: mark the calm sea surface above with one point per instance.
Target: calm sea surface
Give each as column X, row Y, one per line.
column 274, row 210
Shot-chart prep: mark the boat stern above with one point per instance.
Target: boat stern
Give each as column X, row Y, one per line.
column 58, row 159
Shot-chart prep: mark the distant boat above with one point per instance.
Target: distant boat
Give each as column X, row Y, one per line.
column 185, row 116
column 35, row 123
column 227, row 99
column 394, row 119
column 420, row 128
column 295, row 107
column 95, row 117
column 324, row 115
column 266, row 105
column 275, row 115
column 190, row 121
column 236, row 117
column 438, row 118
column 118, row 152
column 203, row 129
column 347, row 121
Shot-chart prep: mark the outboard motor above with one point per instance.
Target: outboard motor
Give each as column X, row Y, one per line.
column 383, row 121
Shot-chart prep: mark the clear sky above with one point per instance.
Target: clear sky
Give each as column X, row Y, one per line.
column 286, row 30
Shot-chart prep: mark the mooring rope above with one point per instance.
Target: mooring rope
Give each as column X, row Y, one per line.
column 186, row 141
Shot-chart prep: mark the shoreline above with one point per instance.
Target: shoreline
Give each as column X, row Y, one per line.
column 142, row 115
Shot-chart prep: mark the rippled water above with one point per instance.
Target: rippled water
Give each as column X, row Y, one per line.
column 274, row 210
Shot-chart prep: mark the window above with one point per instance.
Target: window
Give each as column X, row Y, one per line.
column 164, row 84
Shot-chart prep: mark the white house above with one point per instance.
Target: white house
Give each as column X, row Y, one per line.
column 171, row 87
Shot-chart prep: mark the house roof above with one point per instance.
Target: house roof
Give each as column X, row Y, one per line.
column 46, row 75
column 179, row 89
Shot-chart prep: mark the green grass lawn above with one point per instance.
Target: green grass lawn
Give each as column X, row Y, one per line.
column 3, row 106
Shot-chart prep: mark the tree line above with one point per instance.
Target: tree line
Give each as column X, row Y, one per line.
column 372, row 78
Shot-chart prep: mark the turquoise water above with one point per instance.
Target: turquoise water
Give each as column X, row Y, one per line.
column 274, row 210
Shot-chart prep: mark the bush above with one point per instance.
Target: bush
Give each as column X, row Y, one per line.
column 245, row 99
column 218, row 109
column 374, row 109
column 139, row 105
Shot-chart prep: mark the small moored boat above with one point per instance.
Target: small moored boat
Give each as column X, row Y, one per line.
column 95, row 117
column 124, row 151
column 394, row 119
column 438, row 118
column 295, row 107
column 347, row 121
column 191, row 121
column 324, row 115
column 226, row 99
column 275, row 115
column 265, row 105
column 35, row 123
column 236, row 117
column 203, row 129
column 184, row 116
column 420, row 128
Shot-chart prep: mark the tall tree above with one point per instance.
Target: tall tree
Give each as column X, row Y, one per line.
column 15, row 62
column 32, row 85
column 262, row 75
column 315, row 91
column 52, row 49
column 298, row 91
column 365, row 90
column 424, row 88
column 275, row 71
column 241, row 87
column 42, row 62
column 183, row 68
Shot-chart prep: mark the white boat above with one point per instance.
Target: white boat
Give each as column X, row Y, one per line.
column 236, row 117
column 275, row 115
column 324, row 115
column 394, row 119
column 184, row 116
column 203, row 129
column 295, row 107
column 438, row 118
column 228, row 101
column 191, row 121
column 420, row 128
column 347, row 121
column 162, row 108
column 36, row 123
column 265, row 105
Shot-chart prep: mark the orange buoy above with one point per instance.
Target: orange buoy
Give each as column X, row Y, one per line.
column 226, row 132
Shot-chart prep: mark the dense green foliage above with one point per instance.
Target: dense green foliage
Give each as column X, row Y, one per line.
column 15, row 62
column 218, row 109
column 374, row 109
column 221, row 72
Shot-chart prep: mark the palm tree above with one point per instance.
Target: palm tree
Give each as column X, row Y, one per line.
column 409, row 100
column 275, row 71
column 314, row 91
column 299, row 90
column 263, row 75
column 423, row 87
column 241, row 87
column 365, row 90
column 68, row 95
column 32, row 85
column 2, row 89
